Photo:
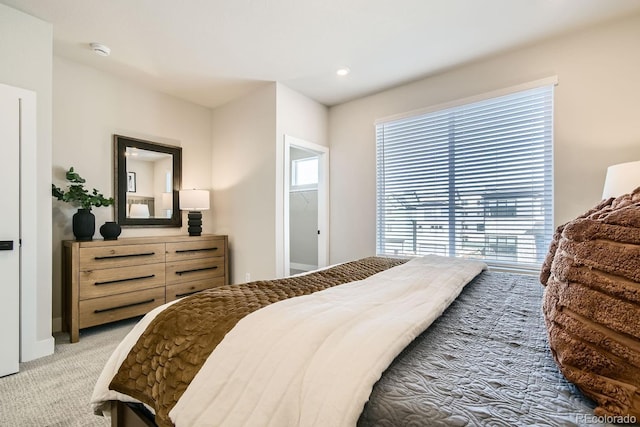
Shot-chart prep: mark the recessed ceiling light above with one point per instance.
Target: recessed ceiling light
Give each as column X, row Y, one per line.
column 343, row 71
column 100, row 49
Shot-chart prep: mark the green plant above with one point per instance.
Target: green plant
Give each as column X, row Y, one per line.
column 77, row 195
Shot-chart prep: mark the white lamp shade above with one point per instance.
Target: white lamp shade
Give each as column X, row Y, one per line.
column 621, row 179
column 194, row 200
column 138, row 210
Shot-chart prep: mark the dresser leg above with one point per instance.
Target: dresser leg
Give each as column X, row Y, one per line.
column 74, row 335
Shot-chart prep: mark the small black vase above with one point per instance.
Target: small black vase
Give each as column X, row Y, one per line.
column 84, row 225
column 110, row 230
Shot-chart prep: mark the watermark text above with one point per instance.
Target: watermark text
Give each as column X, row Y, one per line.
column 605, row 419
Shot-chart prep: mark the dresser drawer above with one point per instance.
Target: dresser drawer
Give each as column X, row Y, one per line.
column 121, row 256
column 186, row 271
column 122, row 306
column 99, row 283
column 194, row 250
column 109, row 280
column 186, row 289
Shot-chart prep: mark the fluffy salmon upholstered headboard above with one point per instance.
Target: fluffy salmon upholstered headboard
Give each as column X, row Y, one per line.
column 592, row 303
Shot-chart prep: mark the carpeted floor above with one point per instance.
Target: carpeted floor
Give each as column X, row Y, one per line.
column 55, row 390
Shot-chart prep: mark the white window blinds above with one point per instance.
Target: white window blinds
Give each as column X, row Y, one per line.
column 471, row 181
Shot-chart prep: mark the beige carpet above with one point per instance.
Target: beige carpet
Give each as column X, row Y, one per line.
column 55, row 390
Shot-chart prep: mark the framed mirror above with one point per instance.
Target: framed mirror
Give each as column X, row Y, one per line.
column 147, row 181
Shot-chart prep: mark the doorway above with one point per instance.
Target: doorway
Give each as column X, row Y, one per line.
column 305, row 206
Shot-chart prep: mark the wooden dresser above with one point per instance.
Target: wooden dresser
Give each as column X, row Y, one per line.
column 109, row 280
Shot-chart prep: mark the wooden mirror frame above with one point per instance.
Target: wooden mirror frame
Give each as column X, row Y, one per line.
column 121, row 143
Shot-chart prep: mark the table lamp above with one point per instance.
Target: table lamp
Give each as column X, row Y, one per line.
column 194, row 201
column 621, row 179
column 139, row 210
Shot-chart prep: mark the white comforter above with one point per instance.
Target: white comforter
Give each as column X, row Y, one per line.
column 313, row 360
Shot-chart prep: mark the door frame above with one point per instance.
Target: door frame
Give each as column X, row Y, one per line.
column 34, row 341
column 28, row 228
column 283, row 261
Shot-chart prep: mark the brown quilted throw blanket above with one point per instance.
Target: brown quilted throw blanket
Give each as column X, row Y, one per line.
column 592, row 304
column 178, row 341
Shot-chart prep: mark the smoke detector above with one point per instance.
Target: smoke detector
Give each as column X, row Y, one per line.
column 100, row 49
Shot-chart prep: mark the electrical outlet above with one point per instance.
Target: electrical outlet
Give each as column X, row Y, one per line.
column 247, row 277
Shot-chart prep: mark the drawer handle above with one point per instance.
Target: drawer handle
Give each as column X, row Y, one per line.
column 133, row 304
column 186, row 294
column 181, row 251
column 125, row 280
column 98, row 258
column 179, row 273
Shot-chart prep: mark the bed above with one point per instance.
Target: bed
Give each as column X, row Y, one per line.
column 478, row 357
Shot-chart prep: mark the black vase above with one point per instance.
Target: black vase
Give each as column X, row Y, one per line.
column 110, row 230
column 84, row 225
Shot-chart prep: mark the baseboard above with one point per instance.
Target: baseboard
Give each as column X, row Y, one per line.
column 302, row 267
column 37, row 349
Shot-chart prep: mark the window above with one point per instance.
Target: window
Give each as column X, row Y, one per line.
column 304, row 173
column 502, row 247
column 501, row 207
column 470, row 181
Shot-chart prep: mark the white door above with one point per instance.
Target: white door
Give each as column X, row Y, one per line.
column 9, row 231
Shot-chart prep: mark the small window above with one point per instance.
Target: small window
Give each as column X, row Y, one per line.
column 501, row 247
column 502, row 208
column 304, row 173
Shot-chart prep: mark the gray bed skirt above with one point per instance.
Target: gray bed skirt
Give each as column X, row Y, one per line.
column 485, row 361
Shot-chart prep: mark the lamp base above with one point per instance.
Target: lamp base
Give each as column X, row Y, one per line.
column 195, row 223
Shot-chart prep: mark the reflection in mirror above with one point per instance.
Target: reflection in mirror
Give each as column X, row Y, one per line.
column 149, row 179
column 147, row 183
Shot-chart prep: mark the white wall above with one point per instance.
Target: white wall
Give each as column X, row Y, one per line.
column 595, row 119
column 26, row 51
column 160, row 170
column 145, row 177
column 243, row 176
column 89, row 106
column 248, row 173
column 301, row 117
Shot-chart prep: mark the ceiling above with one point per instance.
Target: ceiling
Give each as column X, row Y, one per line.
column 212, row 51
